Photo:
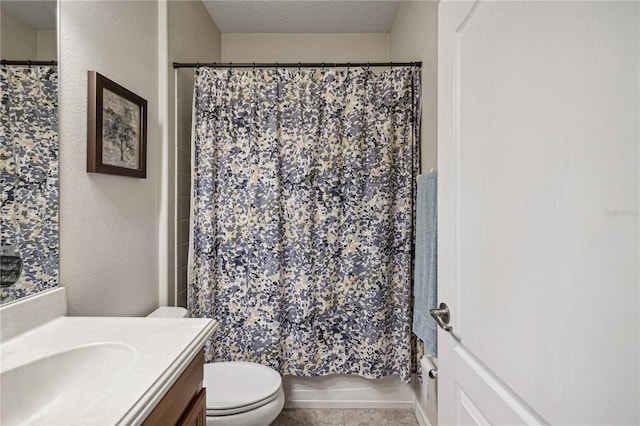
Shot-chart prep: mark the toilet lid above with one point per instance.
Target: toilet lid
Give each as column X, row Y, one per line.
column 236, row 384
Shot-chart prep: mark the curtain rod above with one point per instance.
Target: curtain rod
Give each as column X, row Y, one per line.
column 297, row 65
column 28, row 62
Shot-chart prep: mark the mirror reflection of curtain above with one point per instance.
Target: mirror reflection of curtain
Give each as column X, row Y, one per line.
column 303, row 209
column 29, row 174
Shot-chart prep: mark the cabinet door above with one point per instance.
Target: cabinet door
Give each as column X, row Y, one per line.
column 196, row 414
column 171, row 409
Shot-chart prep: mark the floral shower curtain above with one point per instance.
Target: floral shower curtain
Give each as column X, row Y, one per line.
column 29, row 174
column 302, row 217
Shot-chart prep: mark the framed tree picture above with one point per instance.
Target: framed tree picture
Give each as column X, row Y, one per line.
column 116, row 130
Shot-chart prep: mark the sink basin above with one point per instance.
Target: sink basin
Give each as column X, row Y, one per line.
column 62, row 387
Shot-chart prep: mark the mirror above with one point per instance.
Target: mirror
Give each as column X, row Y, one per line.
column 29, row 175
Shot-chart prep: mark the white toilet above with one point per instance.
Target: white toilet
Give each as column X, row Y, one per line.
column 238, row 393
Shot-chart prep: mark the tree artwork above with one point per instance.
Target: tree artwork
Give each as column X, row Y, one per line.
column 119, row 130
column 120, row 126
column 116, row 129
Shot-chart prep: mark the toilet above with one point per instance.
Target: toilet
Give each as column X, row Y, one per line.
column 238, row 393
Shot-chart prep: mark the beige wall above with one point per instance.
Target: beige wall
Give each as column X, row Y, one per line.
column 108, row 224
column 22, row 42
column 414, row 36
column 47, row 45
column 305, row 47
column 120, row 236
column 19, row 40
column 192, row 37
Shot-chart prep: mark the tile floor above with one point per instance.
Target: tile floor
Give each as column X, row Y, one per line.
column 360, row 417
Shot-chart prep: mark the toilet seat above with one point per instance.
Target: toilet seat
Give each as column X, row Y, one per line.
column 237, row 387
column 243, row 409
column 260, row 416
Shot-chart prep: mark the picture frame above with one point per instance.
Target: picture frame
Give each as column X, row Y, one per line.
column 116, row 129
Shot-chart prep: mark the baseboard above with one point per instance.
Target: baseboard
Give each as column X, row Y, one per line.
column 343, row 391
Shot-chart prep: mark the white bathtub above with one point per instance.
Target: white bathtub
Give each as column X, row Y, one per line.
column 347, row 391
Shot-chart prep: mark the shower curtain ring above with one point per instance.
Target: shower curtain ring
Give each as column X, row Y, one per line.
column 230, row 65
column 368, row 66
column 254, row 66
column 29, row 63
column 298, row 66
column 323, row 66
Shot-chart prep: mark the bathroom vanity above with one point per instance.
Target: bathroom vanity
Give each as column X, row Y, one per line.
column 58, row 369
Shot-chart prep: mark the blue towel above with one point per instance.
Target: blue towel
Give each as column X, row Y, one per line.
column 425, row 288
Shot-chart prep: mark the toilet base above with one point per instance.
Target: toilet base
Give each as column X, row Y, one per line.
column 260, row 416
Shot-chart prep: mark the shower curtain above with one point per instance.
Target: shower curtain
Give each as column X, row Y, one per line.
column 29, row 174
column 302, row 217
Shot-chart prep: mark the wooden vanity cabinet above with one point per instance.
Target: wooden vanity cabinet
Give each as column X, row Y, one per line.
column 196, row 413
column 185, row 403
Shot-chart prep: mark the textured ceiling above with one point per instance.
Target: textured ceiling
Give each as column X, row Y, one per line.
column 244, row 16
column 40, row 15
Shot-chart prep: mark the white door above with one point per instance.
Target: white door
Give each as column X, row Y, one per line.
column 538, row 212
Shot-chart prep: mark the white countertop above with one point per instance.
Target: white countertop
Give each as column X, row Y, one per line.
column 163, row 348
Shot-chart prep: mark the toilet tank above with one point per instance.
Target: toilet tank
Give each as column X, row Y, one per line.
column 169, row 312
